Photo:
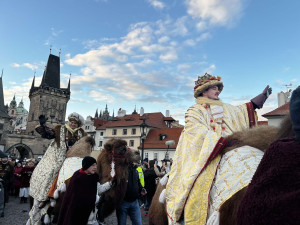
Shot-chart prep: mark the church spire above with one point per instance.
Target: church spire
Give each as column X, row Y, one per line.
column 69, row 84
column 96, row 114
column 2, row 107
column 33, row 81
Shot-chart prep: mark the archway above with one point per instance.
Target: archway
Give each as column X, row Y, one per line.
column 19, row 151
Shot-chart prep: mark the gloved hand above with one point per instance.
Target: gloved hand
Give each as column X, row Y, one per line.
column 260, row 99
column 42, row 119
column 267, row 91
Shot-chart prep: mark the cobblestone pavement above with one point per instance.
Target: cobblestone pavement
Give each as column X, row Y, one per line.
column 17, row 214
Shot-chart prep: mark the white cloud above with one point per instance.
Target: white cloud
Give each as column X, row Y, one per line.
column 168, row 57
column 26, row 65
column 157, row 4
column 204, row 36
column 180, row 26
column 215, row 12
column 98, row 96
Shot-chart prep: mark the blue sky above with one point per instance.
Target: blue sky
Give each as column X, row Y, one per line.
column 148, row 53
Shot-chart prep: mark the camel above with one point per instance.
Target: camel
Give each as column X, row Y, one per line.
column 112, row 164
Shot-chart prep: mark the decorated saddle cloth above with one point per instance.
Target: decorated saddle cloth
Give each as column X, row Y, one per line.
column 70, row 166
column 234, row 172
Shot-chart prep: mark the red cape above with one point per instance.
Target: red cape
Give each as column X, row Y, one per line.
column 79, row 199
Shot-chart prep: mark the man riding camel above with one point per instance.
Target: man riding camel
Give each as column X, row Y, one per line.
column 47, row 169
column 197, row 156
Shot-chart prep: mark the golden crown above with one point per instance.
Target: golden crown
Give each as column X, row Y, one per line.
column 204, row 79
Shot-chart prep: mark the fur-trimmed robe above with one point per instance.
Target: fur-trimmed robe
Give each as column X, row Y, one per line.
column 47, row 169
column 79, row 199
column 273, row 196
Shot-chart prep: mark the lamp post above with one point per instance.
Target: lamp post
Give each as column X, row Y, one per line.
column 168, row 143
column 143, row 127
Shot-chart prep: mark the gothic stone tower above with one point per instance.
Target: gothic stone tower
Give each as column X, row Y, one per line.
column 48, row 99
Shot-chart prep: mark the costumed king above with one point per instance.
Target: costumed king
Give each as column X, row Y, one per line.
column 207, row 123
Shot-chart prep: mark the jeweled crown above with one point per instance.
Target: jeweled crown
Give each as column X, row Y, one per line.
column 205, row 78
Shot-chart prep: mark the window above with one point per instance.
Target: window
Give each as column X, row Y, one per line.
column 32, row 116
column 101, row 133
column 100, row 143
column 133, row 131
column 1, row 126
column 156, row 156
column 131, row 143
column 124, row 131
column 146, row 155
column 114, row 132
column 162, row 137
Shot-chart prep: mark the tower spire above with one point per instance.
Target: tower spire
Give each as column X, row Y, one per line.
column 96, row 114
column 2, row 107
column 69, row 84
column 33, row 81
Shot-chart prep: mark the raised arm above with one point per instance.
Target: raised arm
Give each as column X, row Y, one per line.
column 43, row 130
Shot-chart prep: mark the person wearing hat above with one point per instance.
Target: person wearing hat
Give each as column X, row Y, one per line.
column 207, row 123
column 78, row 206
column 273, row 195
column 63, row 137
column 7, row 175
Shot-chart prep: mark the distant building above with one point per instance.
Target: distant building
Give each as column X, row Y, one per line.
column 128, row 127
column 49, row 98
column 19, row 115
column 275, row 116
column 155, row 146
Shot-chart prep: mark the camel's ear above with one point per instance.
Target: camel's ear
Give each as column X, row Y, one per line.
column 108, row 146
column 90, row 140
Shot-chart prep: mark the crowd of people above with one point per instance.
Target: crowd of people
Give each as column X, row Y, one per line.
column 208, row 124
column 14, row 179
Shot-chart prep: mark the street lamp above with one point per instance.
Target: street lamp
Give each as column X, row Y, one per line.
column 143, row 127
column 168, row 143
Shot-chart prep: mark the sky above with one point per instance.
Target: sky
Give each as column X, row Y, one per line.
column 148, row 53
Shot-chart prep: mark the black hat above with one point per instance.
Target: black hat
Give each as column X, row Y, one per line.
column 87, row 162
column 295, row 112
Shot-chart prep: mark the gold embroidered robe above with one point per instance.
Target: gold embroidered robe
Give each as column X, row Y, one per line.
column 189, row 183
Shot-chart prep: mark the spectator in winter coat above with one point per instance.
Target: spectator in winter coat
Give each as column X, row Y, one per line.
column 130, row 204
column 150, row 183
